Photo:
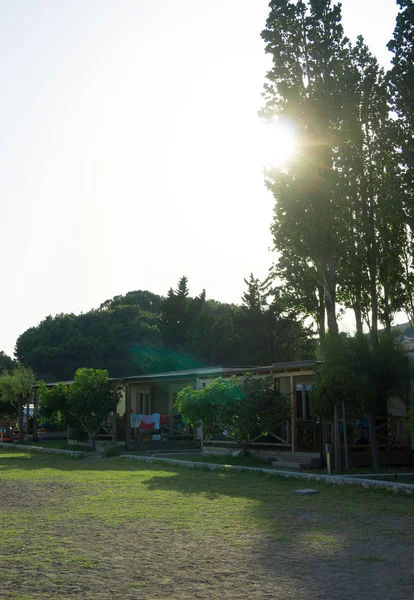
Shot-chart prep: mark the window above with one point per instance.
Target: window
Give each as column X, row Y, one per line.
column 303, row 401
column 144, row 405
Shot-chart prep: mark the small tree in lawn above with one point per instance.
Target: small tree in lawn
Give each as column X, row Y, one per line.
column 208, row 407
column 54, row 406
column 88, row 400
column 257, row 410
column 244, row 408
column 8, row 412
column 15, row 386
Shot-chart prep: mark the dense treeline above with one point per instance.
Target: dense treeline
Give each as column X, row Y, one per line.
column 142, row 332
column 344, row 213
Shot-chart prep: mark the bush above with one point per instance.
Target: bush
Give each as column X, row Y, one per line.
column 245, row 408
column 111, row 449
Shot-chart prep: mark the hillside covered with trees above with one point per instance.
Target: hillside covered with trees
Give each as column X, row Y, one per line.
column 142, row 332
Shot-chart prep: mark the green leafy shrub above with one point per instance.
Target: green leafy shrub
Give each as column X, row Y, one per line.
column 111, row 449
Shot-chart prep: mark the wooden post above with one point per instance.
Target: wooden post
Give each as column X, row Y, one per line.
column 337, row 442
column 27, row 413
column 293, row 414
column 170, row 409
column 127, row 416
column 345, row 437
column 373, row 442
column 20, row 417
column 35, row 404
column 114, row 425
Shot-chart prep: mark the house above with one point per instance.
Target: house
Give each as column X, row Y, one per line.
column 156, row 393
column 299, row 440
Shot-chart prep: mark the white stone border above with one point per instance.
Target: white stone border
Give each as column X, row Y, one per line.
column 75, row 453
column 407, row 488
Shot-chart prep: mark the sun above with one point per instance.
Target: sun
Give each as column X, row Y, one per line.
column 277, row 143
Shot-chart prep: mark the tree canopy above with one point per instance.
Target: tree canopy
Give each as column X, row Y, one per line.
column 145, row 333
column 244, row 408
column 87, row 401
column 343, row 215
column 15, row 386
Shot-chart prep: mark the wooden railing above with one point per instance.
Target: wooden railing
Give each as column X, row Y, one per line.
column 280, row 437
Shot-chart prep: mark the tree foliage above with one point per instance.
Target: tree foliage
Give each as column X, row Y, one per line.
column 17, row 384
column 15, row 387
column 343, row 216
column 87, row 401
column 362, row 373
column 401, row 86
column 144, row 333
column 6, row 362
column 245, row 408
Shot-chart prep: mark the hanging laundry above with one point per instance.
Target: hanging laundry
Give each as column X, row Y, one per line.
column 156, row 420
column 165, row 419
column 146, row 423
column 135, row 420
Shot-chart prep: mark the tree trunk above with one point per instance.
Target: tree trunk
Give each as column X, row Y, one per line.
column 321, row 315
column 374, row 312
column 373, row 442
column 91, row 441
column 329, row 288
column 387, row 309
column 20, row 414
column 331, row 312
column 372, row 267
column 358, row 319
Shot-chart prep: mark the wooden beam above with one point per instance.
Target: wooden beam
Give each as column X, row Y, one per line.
column 27, row 413
column 114, row 425
column 127, row 416
column 35, row 404
column 293, row 414
column 293, row 373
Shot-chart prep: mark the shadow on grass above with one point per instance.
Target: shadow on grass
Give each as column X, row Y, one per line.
column 318, row 542
column 332, row 544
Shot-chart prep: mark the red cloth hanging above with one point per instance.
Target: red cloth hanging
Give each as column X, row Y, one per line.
column 164, row 419
column 146, row 426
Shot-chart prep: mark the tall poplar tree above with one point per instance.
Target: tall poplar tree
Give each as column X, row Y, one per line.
column 304, row 86
column 401, row 83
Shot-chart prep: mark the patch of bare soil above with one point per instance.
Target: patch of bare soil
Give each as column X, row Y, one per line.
column 21, row 496
column 144, row 560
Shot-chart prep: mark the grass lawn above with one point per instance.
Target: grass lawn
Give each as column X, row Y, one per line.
column 249, row 461
column 111, row 528
column 59, row 445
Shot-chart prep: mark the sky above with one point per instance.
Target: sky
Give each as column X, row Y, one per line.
column 131, row 148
